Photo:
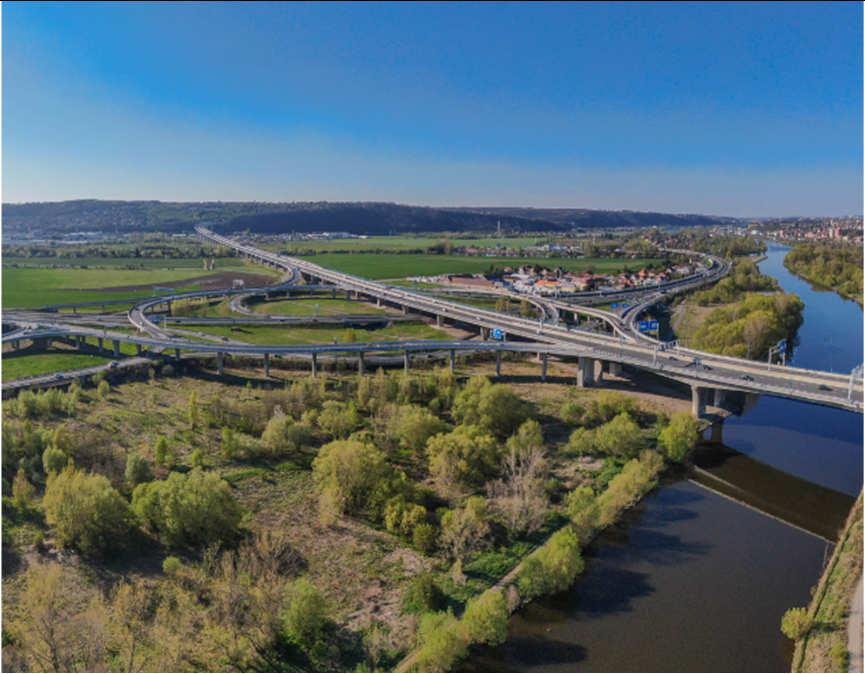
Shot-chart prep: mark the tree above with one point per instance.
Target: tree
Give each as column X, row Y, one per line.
column 230, row 444
column 22, row 490
column 338, row 419
column 485, row 620
column 465, row 457
column 441, row 642
column 137, row 470
column 422, row 594
column 86, row 512
column 413, row 426
column 192, row 411
column 795, row 623
column 103, row 390
column 163, row 455
column 493, row 407
column 519, row 497
column 466, row 528
column 552, row 567
column 347, row 474
column 53, row 459
column 282, row 436
column 582, row 508
column 679, row 436
column 192, row 509
column 618, row 437
column 303, row 618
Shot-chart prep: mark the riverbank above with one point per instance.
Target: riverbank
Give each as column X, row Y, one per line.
column 830, row 267
column 823, row 647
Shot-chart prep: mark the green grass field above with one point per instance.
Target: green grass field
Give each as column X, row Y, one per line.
column 35, row 286
column 31, row 365
column 396, row 266
column 398, row 243
column 132, row 263
column 277, row 334
column 316, row 306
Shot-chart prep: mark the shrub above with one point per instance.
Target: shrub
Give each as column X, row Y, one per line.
column 303, row 618
column 197, row 508
column 636, row 478
column 163, row 456
column 338, row 419
column 103, row 390
column 679, row 436
column 466, row 528
column 137, row 470
column 493, row 407
column 795, row 623
column 348, row 473
column 465, row 457
column 53, row 460
column 582, row 508
column 618, row 437
column 86, row 512
column 485, row 620
column 423, row 537
column 441, row 642
column 282, row 436
column 171, row 565
column 553, row 567
column 422, row 595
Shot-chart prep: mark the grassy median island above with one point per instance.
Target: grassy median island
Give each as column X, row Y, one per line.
column 336, row 523
column 820, row 630
column 325, row 334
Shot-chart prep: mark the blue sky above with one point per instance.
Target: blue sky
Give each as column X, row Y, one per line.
column 738, row 109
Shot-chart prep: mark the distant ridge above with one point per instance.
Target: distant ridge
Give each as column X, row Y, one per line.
column 63, row 217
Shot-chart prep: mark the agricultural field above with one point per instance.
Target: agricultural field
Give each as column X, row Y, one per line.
column 397, row 266
column 25, row 287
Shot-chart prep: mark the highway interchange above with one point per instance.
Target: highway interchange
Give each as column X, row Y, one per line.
column 546, row 336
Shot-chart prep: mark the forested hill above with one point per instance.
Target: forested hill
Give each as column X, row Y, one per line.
column 56, row 218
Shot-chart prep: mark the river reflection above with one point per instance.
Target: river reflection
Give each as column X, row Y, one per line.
column 690, row 580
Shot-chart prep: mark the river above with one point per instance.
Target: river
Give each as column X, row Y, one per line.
column 692, row 581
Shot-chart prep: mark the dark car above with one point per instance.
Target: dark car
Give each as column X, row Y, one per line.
column 747, row 377
column 823, row 387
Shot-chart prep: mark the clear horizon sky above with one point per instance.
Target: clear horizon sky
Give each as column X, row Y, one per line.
column 727, row 109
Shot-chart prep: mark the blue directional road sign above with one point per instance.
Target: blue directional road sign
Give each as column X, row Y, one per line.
column 497, row 333
column 614, row 305
column 648, row 326
column 625, row 305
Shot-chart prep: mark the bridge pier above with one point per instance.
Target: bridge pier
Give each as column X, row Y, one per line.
column 220, row 363
column 100, row 343
column 615, row 368
column 406, row 361
column 498, row 363
column 360, row 363
column 138, row 349
column 719, row 397
column 267, row 366
column 452, row 359
column 585, row 371
column 698, row 404
column 544, row 358
column 176, row 354
column 438, row 320
column 79, row 343
column 716, row 432
column 484, row 333
column 404, row 309
column 314, row 371
column 116, row 346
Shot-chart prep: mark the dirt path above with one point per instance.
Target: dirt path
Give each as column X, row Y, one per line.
column 854, row 630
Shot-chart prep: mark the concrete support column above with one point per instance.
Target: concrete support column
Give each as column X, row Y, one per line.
column 498, row 363
column 484, row 333
column 176, row 354
column 347, row 294
column 698, row 405
column 717, row 432
column 404, row 309
column 267, row 365
column 138, row 349
column 585, row 371
column 599, row 370
column 719, row 397
column 615, row 368
column 453, row 360
column 168, row 303
column 333, row 294
column 544, row 359
column 116, row 346
column 314, row 364
column 378, row 301
column 17, row 344
column 220, row 363
column 406, row 361
column 438, row 320
column 360, row 363
column 79, row 342
column 100, row 343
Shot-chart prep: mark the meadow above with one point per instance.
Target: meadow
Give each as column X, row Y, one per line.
column 35, row 286
column 31, row 365
column 277, row 334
